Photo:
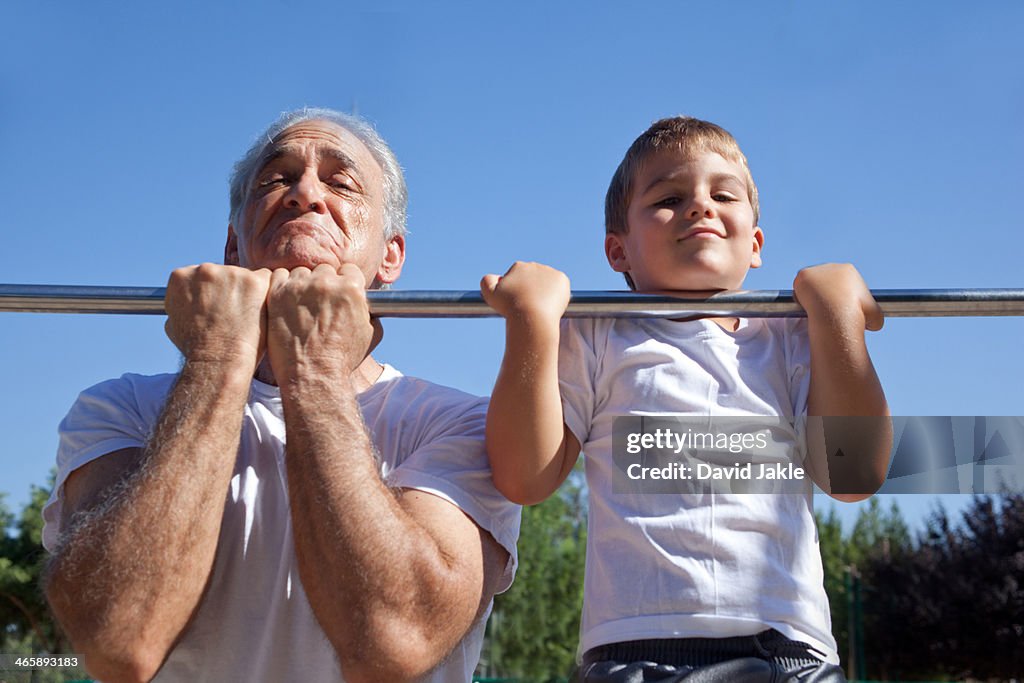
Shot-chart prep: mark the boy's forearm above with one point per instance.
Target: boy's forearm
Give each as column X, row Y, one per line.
column 843, row 379
column 845, row 389
column 525, row 426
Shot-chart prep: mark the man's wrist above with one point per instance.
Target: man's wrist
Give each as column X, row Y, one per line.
column 316, row 377
column 227, row 372
column 227, row 351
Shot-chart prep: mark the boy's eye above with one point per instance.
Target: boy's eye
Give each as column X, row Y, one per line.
column 723, row 197
column 667, row 201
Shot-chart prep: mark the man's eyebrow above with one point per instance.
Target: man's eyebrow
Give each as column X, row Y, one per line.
column 274, row 154
column 339, row 156
column 280, row 151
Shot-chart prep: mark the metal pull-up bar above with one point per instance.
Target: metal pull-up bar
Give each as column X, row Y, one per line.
column 584, row 304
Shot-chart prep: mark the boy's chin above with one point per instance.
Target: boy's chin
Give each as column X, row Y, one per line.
column 695, row 281
column 682, row 293
column 693, row 288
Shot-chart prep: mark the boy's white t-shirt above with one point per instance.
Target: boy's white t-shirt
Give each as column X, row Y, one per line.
column 255, row 622
column 693, row 565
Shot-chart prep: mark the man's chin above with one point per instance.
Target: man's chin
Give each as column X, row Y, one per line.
column 292, row 261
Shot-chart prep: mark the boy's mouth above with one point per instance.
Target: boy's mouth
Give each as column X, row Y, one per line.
column 701, row 233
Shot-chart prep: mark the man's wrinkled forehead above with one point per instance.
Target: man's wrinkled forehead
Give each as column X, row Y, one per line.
column 287, row 148
column 328, row 138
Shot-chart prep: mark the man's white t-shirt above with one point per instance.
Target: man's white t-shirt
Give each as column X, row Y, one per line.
column 693, row 565
column 255, row 623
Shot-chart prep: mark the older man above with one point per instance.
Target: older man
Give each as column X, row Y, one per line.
column 192, row 541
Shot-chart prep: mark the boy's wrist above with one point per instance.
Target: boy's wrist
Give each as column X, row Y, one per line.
column 535, row 324
column 840, row 318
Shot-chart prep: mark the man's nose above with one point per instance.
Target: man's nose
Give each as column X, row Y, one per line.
column 306, row 194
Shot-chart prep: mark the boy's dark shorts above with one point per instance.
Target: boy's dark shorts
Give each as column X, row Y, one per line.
column 768, row 657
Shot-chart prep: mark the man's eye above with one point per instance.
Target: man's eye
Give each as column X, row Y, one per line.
column 271, row 180
column 340, row 182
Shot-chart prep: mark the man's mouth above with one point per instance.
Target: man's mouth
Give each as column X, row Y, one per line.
column 300, row 225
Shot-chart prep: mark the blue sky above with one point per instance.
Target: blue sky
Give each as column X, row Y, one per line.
column 884, row 134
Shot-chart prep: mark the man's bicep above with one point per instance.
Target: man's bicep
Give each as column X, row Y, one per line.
column 94, row 482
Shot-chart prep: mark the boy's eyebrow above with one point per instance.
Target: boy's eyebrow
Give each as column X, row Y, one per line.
column 729, row 177
column 714, row 178
column 724, row 177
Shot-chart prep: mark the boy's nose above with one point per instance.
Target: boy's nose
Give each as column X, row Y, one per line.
column 701, row 208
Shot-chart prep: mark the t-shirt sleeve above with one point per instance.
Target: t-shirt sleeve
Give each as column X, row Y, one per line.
column 446, row 458
column 110, row 416
column 577, row 362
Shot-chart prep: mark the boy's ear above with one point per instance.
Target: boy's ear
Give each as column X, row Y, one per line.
column 615, row 251
column 231, row 247
column 755, row 256
column 394, row 257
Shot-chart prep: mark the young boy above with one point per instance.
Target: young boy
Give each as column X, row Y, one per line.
column 726, row 584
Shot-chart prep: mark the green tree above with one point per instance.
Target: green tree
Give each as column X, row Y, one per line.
column 23, row 610
column 876, row 535
column 834, row 559
column 25, row 620
column 955, row 605
column 533, row 632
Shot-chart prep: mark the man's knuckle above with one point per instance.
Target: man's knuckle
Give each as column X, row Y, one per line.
column 350, row 288
column 320, row 287
column 206, row 269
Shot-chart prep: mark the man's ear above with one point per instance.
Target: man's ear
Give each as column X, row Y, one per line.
column 755, row 256
column 231, row 248
column 615, row 251
column 394, row 257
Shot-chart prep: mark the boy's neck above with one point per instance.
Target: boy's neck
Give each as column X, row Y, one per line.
column 727, row 324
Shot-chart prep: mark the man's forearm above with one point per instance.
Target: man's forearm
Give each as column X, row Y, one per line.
column 132, row 568
column 389, row 598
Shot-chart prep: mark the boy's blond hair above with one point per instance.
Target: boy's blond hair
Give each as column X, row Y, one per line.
column 684, row 133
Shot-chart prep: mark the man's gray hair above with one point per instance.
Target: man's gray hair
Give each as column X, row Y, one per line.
column 396, row 197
